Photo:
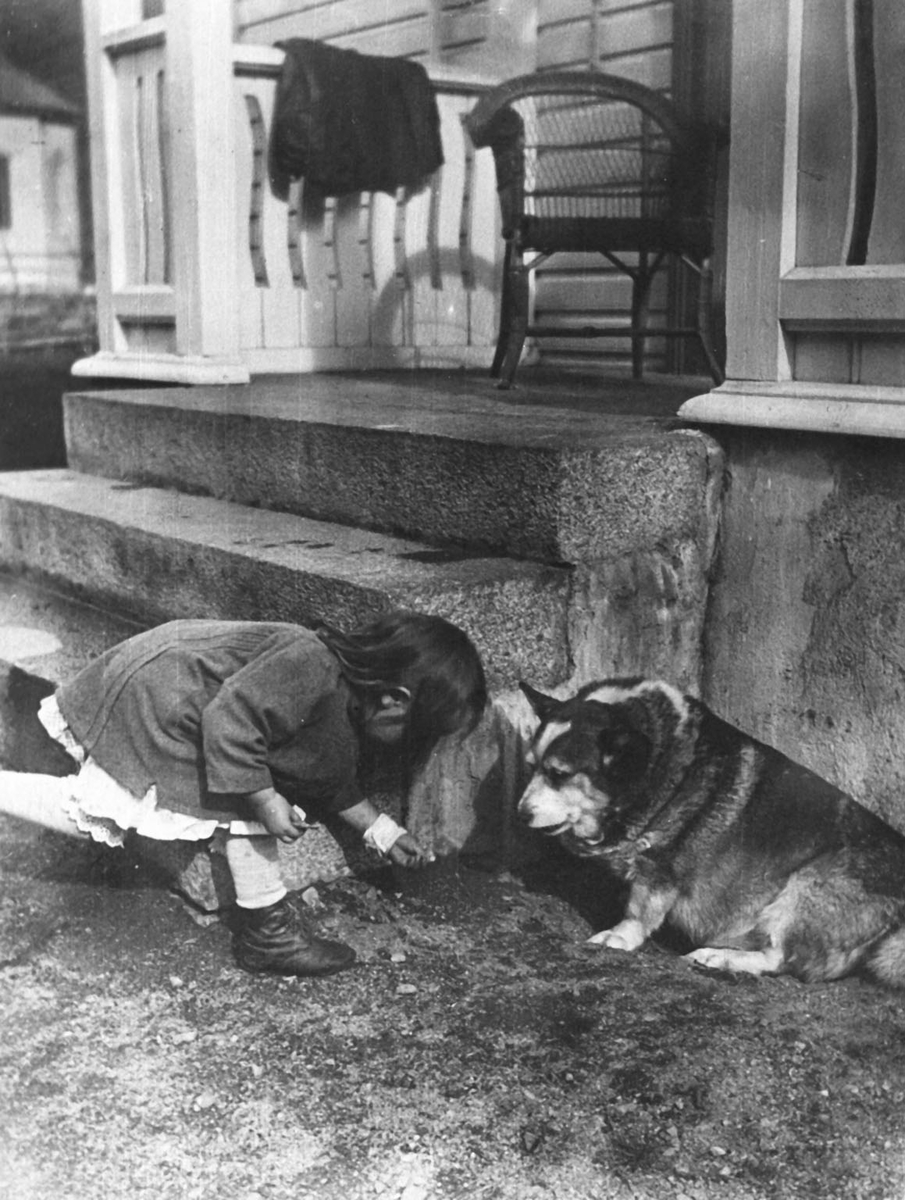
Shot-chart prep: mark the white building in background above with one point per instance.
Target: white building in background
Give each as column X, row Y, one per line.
column 40, row 237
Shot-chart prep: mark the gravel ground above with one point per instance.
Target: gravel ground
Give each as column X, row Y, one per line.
column 477, row 1050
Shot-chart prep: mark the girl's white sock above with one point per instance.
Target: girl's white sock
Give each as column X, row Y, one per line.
column 254, row 863
column 39, row 799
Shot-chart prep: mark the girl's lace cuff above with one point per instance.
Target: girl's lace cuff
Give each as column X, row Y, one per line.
column 383, row 834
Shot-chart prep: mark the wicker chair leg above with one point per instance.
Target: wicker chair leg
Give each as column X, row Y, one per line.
column 505, row 314
column 641, row 281
column 704, row 324
column 517, row 320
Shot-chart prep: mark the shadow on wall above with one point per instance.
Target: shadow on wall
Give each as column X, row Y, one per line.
column 32, row 384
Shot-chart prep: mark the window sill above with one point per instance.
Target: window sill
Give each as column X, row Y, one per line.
column 815, row 407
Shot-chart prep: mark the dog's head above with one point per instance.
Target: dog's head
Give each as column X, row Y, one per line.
column 591, row 755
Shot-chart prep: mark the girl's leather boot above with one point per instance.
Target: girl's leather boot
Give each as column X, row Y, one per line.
column 274, row 939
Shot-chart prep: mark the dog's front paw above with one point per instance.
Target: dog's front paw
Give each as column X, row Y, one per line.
column 627, row 935
column 712, row 958
column 746, row 962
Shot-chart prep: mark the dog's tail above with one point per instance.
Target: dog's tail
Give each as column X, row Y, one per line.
column 886, row 962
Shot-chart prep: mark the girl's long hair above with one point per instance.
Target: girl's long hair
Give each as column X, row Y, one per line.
column 431, row 657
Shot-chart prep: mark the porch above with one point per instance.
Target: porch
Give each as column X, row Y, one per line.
column 568, row 525
column 596, row 540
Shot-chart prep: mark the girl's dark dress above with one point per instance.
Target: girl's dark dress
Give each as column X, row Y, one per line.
column 209, row 711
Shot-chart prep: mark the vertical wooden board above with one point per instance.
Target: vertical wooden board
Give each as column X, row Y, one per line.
column 149, row 65
column 887, row 235
column 317, row 295
column 417, row 266
column 200, row 93
column 165, row 149
column 387, row 293
column 486, row 242
column 251, row 319
column 317, row 299
column 126, row 148
column 760, row 188
column 279, row 301
column 826, row 166
column 823, row 358
column 353, row 301
column 452, row 307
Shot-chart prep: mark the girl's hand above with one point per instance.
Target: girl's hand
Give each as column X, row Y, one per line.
column 406, row 852
column 277, row 815
column 378, row 829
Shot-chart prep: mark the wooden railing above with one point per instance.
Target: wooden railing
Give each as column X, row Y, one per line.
column 204, row 275
column 364, row 280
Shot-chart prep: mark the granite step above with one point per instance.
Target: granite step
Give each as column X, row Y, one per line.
column 447, row 464
column 149, row 554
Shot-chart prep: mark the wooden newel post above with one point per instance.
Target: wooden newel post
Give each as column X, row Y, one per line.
column 200, row 99
column 163, row 146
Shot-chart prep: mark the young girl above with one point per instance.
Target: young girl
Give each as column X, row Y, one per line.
column 248, row 727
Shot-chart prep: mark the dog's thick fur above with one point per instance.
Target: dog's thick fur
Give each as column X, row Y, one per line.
column 763, row 865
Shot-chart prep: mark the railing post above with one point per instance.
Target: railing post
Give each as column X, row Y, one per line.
column 163, row 145
column 200, row 99
column 99, row 18
column 765, row 70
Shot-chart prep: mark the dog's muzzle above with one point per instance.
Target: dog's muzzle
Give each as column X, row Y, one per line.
column 541, row 808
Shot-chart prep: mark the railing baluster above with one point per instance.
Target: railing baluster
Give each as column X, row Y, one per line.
column 256, row 198
column 293, row 233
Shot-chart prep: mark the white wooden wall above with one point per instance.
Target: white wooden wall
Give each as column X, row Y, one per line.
column 41, row 249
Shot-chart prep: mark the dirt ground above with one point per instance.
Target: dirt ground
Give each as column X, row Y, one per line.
column 478, row 1050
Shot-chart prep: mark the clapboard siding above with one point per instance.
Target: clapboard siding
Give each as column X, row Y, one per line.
column 268, row 20
column 634, row 40
column 631, row 39
column 409, row 37
column 586, row 292
column 463, row 26
column 408, row 28
column 624, row 32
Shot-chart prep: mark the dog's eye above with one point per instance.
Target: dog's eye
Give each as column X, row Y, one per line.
column 557, row 775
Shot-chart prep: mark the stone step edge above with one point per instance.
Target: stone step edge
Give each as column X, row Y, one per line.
column 113, row 544
column 555, row 496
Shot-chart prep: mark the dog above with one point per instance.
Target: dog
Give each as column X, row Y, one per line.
column 764, row 867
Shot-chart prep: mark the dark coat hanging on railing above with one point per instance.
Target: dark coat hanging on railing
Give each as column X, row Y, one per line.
column 350, row 122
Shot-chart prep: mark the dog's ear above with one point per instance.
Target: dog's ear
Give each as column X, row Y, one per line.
column 624, row 748
column 543, row 705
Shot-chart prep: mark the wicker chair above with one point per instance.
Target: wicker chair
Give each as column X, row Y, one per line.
column 591, row 162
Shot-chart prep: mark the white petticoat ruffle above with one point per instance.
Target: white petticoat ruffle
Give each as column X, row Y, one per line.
column 106, row 810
